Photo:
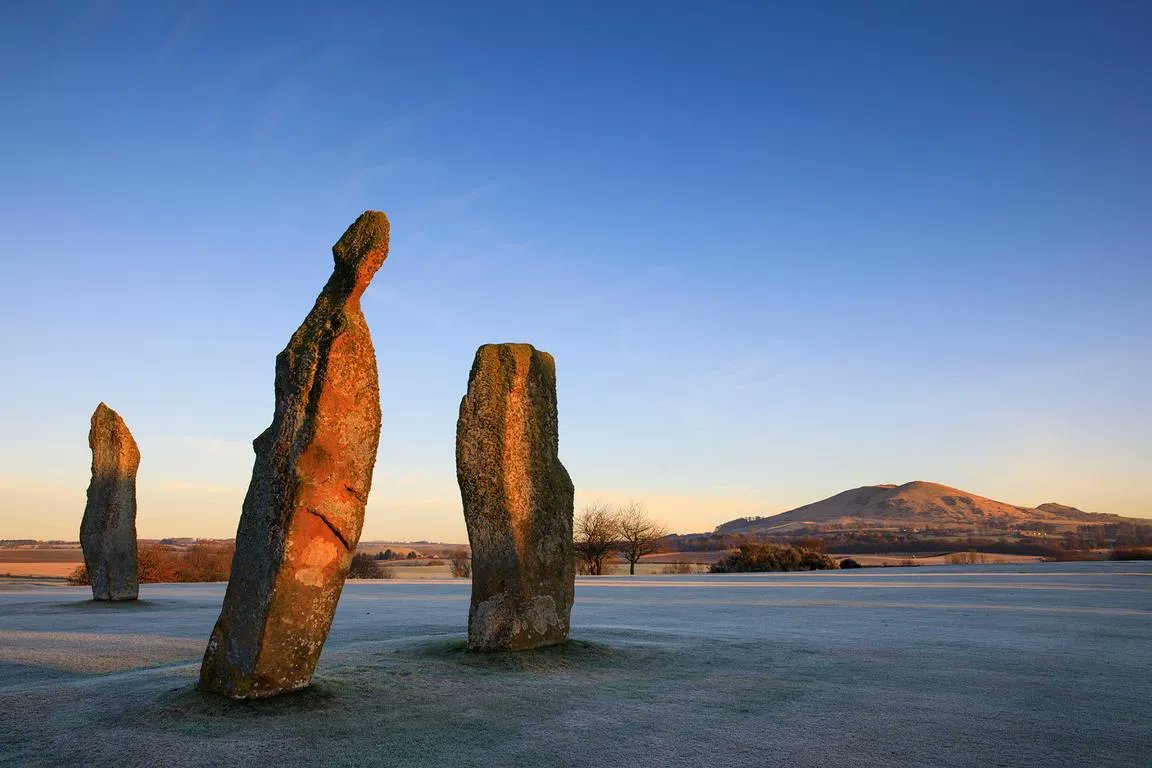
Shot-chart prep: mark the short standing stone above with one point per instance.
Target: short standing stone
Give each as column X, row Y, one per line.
column 517, row 500
column 108, row 530
column 305, row 505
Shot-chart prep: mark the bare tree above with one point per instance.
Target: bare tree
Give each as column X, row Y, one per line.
column 460, row 563
column 638, row 534
column 596, row 534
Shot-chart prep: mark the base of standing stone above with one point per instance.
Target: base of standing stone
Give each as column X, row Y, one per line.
column 502, row 623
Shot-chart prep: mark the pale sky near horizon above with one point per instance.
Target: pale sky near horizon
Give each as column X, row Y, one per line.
column 777, row 249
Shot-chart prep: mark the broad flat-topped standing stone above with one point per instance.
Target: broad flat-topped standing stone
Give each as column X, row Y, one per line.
column 305, row 505
column 517, row 501
column 108, row 530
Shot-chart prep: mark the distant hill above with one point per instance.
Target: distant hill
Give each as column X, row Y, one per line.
column 914, row 505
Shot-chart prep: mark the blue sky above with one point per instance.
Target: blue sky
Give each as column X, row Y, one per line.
column 778, row 249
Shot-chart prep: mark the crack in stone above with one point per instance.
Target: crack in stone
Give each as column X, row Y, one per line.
column 332, row 528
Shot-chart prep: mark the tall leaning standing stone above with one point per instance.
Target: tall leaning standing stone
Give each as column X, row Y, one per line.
column 305, row 505
column 517, row 501
column 108, row 530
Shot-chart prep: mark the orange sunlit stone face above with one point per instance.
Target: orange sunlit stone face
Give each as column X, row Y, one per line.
column 108, row 529
column 305, row 507
column 319, row 554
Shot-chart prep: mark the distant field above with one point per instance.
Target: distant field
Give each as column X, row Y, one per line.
column 21, row 555
column 901, row 559
column 684, row 557
column 39, row 562
column 61, row 562
column 896, row 558
column 417, row 569
column 37, row 569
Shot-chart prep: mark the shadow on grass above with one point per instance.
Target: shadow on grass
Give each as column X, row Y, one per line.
column 120, row 606
column 410, row 686
column 337, row 688
column 570, row 655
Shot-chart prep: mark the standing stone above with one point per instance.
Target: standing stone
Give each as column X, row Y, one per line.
column 517, row 501
column 305, row 505
column 108, row 530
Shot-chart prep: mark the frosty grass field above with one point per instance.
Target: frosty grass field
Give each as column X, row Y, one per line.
column 995, row 665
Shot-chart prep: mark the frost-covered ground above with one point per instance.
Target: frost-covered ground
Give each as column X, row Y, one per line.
column 1006, row 665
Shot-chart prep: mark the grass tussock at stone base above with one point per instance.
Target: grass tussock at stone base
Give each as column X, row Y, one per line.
column 574, row 654
column 191, row 701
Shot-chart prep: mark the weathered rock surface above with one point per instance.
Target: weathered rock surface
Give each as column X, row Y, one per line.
column 108, row 530
column 305, row 505
column 517, row 501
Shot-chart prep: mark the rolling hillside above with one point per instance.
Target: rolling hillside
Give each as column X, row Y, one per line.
column 915, row 505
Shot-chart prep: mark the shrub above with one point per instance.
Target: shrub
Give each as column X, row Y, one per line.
column 79, row 577
column 160, row 564
column 756, row 558
column 1131, row 553
column 206, row 561
column 849, row 563
column 460, row 563
column 363, row 567
column 1071, row 556
column 156, row 564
